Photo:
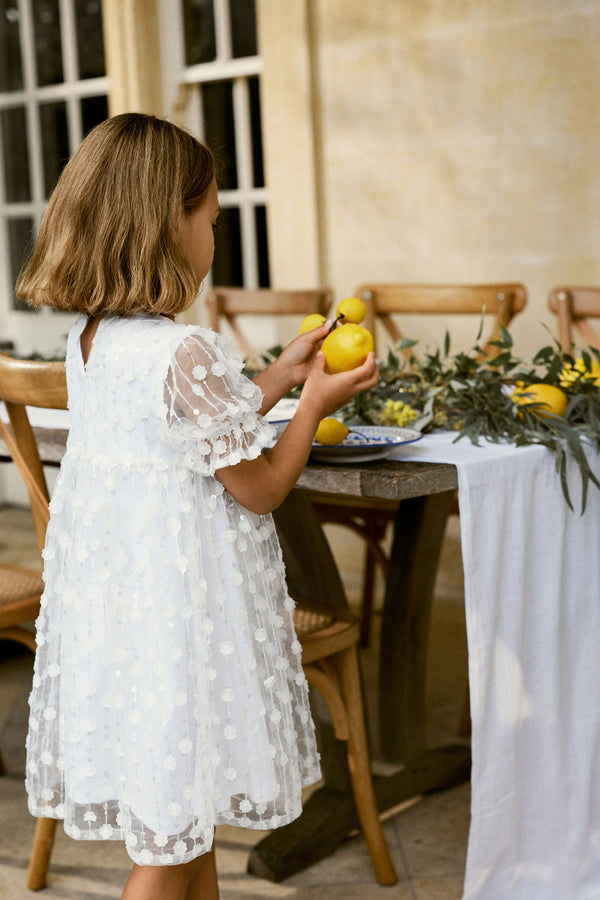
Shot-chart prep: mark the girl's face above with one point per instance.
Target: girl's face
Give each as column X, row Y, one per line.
column 198, row 241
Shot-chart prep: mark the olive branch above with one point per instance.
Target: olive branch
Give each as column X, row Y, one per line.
column 471, row 394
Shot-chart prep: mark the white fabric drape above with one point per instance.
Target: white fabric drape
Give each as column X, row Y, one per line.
column 532, row 595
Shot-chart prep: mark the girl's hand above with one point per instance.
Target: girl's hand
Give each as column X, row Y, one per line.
column 299, row 355
column 261, row 484
column 291, row 367
column 324, row 394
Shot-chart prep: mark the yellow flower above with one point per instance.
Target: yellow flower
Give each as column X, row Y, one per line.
column 395, row 412
column 579, row 372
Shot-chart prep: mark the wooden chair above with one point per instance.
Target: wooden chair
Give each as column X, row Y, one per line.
column 501, row 301
column 574, row 306
column 22, row 384
column 329, row 642
column 383, row 301
column 329, row 634
column 226, row 305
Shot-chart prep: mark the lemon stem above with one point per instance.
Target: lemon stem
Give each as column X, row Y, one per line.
column 334, row 324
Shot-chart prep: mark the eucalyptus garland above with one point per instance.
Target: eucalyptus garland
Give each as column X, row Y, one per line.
column 472, row 394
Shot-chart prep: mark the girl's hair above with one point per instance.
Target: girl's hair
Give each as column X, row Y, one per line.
column 109, row 241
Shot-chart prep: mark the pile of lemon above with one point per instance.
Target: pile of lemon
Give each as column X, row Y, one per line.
column 349, row 343
column 346, row 346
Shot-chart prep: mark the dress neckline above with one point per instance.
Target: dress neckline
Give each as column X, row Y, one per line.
column 84, row 363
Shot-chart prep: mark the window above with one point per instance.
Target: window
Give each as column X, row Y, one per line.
column 221, row 70
column 53, row 90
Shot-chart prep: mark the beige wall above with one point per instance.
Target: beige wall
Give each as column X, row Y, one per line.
column 453, row 140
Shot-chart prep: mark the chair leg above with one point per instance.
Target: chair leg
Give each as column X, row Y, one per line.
column 360, row 770
column 39, row 861
column 374, row 533
column 2, row 766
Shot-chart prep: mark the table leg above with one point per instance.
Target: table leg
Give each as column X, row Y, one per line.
column 418, row 535
column 329, row 814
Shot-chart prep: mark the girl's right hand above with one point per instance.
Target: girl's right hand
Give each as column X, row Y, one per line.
column 261, row 484
column 324, row 394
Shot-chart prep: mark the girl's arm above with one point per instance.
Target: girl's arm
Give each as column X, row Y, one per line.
column 262, row 484
column 290, row 368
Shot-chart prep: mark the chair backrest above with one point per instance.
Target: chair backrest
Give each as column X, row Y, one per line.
column 228, row 304
column 573, row 306
column 27, row 383
column 501, row 301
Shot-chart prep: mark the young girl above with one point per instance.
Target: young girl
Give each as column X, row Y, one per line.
column 168, row 694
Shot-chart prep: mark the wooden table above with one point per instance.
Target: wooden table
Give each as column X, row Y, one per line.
column 426, row 492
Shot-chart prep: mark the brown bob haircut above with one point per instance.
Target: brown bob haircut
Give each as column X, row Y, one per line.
column 109, row 241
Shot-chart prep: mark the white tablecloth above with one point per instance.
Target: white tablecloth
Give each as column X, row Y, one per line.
column 532, row 594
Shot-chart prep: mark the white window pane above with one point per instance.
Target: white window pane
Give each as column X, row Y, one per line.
column 200, row 39
column 11, row 70
column 93, row 111
column 55, row 142
column 20, row 232
column 219, row 130
column 13, row 129
column 90, row 38
column 48, row 45
column 243, row 28
column 227, row 264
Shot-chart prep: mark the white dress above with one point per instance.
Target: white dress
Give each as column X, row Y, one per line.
column 168, row 694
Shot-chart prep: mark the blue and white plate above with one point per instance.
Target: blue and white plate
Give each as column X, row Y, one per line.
column 363, row 444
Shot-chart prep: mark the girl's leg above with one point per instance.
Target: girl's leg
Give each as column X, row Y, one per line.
column 204, row 884
column 196, row 880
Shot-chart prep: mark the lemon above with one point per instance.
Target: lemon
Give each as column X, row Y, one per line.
column 550, row 398
column 331, row 431
column 352, row 309
column 578, row 372
column 346, row 347
column 310, row 322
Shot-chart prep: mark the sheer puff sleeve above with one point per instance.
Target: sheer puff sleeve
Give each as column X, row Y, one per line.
column 212, row 413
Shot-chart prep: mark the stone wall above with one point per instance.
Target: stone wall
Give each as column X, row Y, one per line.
column 455, row 141
column 461, row 143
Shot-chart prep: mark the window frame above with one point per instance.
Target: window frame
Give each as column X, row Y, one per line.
column 185, row 106
column 24, row 327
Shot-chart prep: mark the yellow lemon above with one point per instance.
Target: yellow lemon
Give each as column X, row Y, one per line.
column 310, row 322
column 331, row 431
column 352, row 309
column 346, row 347
column 578, row 372
column 550, row 398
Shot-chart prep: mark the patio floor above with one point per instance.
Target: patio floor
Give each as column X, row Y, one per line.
column 427, row 836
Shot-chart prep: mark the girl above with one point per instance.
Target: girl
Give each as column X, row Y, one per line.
column 168, row 694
